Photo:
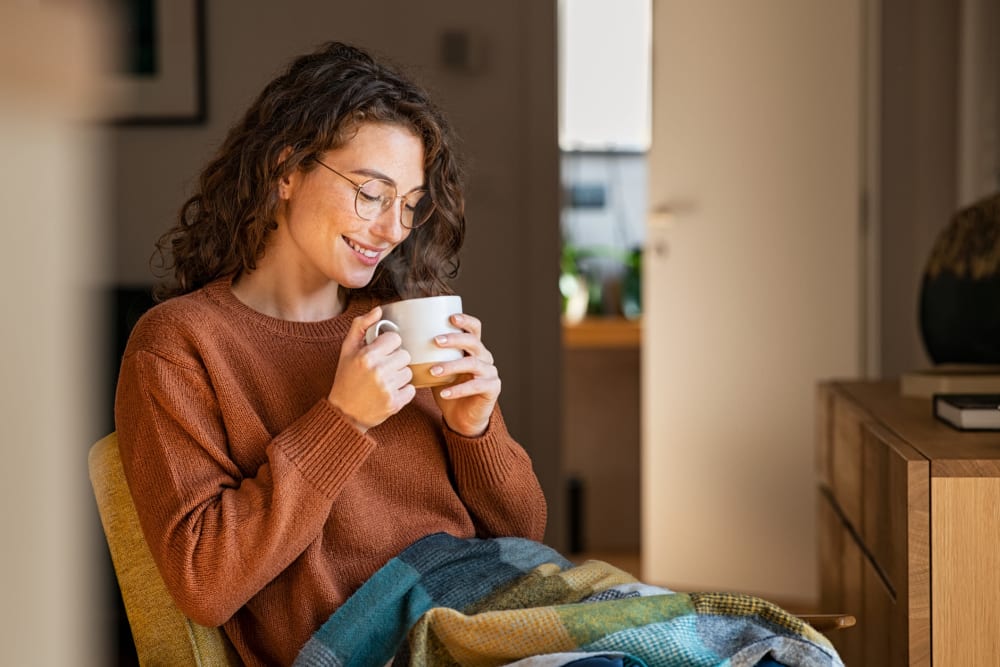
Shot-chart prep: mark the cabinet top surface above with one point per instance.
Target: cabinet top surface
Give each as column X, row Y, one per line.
column 952, row 453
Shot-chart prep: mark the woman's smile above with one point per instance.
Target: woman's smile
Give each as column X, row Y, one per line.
column 369, row 256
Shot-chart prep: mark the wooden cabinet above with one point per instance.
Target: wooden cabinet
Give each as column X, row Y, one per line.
column 909, row 529
column 600, row 453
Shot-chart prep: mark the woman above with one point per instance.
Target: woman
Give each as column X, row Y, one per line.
column 277, row 461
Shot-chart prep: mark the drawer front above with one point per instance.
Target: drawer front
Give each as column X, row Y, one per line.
column 850, row 643
column 884, row 623
column 846, row 459
column 896, row 532
column 895, row 502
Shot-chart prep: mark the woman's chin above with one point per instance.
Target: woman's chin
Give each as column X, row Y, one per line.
column 357, row 281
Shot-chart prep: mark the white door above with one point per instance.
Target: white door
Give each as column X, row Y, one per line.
column 751, row 285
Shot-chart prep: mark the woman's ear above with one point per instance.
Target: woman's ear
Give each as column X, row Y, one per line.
column 287, row 179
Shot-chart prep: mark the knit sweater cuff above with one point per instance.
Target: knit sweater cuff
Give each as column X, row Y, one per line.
column 325, row 447
column 485, row 460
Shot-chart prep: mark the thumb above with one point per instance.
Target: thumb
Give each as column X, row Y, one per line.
column 356, row 335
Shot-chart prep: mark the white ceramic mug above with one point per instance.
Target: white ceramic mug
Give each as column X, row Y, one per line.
column 418, row 321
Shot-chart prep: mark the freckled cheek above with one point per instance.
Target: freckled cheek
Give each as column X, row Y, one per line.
column 338, row 222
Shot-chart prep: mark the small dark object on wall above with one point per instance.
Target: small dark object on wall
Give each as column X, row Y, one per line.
column 463, row 51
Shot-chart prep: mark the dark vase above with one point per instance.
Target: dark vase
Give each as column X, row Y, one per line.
column 960, row 293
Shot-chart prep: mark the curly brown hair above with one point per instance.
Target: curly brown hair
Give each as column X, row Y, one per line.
column 312, row 107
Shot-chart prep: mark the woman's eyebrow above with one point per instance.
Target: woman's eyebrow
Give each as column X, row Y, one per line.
column 375, row 173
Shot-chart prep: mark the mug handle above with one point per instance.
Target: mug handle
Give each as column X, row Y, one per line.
column 373, row 332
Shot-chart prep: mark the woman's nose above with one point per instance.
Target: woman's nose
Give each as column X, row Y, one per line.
column 389, row 224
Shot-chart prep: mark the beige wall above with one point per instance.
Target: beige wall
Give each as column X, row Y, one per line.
column 51, row 184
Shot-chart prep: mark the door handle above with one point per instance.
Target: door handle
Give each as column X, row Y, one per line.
column 662, row 219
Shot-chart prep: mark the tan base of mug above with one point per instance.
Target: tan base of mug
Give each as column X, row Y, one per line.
column 422, row 376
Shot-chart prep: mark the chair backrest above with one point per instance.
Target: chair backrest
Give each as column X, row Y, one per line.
column 162, row 634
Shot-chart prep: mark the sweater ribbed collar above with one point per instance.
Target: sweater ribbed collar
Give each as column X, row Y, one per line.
column 221, row 292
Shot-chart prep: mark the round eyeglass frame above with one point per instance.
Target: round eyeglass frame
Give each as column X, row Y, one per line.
column 387, row 202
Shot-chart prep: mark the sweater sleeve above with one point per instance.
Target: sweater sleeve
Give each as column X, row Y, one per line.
column 217, row 535
column 495, row 478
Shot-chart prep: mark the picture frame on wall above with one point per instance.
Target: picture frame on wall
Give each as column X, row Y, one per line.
column 160, row 79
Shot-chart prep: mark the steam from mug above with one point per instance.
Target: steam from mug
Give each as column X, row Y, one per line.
column 418, row 322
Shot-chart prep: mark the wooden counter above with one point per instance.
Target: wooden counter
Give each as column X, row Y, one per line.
column 603, row 332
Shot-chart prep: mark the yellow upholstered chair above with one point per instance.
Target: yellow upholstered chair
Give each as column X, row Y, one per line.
column 163, row 635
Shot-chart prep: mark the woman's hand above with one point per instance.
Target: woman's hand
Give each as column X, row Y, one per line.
column 373, row 381
column 468, row 404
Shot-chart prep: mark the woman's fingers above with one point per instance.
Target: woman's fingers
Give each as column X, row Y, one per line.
column 470, row 340
column 467, row 342
column 468, row 323
column 355, row 339
column 373, row 381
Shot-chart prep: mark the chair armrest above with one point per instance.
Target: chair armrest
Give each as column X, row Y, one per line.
column 826, row 622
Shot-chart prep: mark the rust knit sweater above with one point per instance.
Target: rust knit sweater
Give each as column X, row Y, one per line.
column 263, row 507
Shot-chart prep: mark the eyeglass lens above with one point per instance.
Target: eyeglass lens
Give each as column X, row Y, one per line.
column 376, row 195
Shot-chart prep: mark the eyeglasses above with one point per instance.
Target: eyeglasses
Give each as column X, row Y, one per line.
column 375, row 196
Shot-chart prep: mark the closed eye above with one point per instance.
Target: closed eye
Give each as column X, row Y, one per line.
column 414, row 199
column 369, row 197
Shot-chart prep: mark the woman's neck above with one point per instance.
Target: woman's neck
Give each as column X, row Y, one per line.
column 288, row 299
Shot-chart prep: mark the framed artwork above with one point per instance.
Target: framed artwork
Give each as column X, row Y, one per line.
column 161, row 75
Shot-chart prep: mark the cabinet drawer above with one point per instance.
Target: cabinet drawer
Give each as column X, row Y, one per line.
column 846, row 459
column 896, row 533
column 851, row 642
column 894, row 503
column 883, row 623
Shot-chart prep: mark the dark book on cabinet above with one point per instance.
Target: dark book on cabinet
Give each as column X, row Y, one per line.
column 969, row 412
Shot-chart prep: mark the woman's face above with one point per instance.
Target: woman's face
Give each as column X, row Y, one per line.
column 320, row 234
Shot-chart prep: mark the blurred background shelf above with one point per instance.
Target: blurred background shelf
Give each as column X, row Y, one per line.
column 602, row 332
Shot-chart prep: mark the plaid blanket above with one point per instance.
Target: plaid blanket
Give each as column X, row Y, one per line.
column 446, row 601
